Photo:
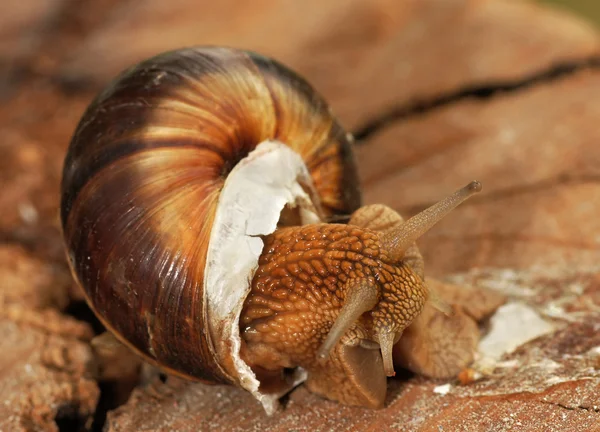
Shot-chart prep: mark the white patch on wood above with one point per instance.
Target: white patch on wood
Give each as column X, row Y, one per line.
column 512, row 325
column 442, row 389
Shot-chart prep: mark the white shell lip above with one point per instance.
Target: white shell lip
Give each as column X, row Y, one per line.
column 250, row 206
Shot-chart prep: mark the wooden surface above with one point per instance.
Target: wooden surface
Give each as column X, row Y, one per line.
column 440, row 92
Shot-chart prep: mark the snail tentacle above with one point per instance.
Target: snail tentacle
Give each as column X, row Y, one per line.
column 399, row 238
column 361, row 296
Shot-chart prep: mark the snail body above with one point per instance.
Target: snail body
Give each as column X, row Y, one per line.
column 194, row 195
column 319, row 274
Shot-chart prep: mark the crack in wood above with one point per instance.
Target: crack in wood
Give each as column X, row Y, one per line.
column 590, row 409
column 476, row 91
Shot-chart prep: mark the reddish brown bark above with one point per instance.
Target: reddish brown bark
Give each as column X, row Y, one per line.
column 442, row 93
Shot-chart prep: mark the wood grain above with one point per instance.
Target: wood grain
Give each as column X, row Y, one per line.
column 503, row 91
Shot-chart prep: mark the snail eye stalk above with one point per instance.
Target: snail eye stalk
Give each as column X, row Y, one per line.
column 398, row 239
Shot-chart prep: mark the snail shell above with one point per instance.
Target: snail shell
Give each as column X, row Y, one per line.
column 142, row 187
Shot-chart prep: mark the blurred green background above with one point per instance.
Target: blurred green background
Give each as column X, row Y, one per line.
column 589, row 9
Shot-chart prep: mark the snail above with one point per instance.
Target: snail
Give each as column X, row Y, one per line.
column 195, row 200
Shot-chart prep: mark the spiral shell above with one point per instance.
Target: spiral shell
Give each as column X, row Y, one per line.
column 142, row 182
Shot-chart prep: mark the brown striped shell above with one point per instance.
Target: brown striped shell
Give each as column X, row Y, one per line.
column 143, row 177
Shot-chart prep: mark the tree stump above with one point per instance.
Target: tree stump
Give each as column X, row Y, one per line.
column 437, row 93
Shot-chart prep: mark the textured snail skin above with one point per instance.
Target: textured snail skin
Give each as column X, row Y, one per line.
column 335, row 299
column 142, row 178
column 297, row 292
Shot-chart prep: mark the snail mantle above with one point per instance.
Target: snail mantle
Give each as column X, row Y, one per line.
column 250, row 206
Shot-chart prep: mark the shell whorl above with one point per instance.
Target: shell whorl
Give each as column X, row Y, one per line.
column 142, row 178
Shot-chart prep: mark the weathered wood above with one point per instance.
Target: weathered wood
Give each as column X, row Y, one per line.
column 45, row 356
column 551, row 382
column 536, row 152
column 449, row 90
